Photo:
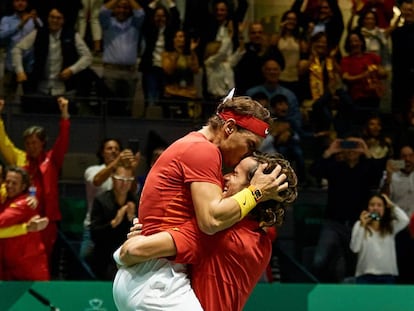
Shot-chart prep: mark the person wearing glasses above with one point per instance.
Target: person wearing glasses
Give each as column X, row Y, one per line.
column 111, row 217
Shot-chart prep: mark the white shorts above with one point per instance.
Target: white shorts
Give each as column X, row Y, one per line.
column 155, row 285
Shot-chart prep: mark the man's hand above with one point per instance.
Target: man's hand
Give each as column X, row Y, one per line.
column 21, row 77
column 2, row 103
column 65, row 74
column 136, row 229
column 130, row 210
column 269, row 184
column 32, row 201
column 119, row 217
column 63, row 107
column 130, row 159
column 37, row 223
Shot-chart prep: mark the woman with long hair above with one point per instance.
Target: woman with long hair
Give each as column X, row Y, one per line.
column 373, row 240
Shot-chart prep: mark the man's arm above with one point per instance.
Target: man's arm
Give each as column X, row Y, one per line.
column 17, row 54
column 61, row 144
column 36, row 223
column 143, row 248
column 215, row 213
column 85, row 56
column 11, row 154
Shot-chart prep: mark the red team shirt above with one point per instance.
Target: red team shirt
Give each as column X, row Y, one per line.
column 166, row 198
column 227, row 265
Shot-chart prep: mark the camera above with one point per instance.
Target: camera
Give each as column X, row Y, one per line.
column 348, row 144
column 133, row 144
column 375, row 216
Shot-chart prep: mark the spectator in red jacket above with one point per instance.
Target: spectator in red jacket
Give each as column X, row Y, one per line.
column 22, row 257
column 42, row 165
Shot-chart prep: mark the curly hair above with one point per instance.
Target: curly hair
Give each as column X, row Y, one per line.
column 272, row 212
column 242, row 105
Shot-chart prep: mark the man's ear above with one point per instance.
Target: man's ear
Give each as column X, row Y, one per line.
column 230, row 126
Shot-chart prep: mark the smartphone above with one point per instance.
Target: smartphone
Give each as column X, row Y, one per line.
column 133, row 144
column 398, row 164
column 348, row 144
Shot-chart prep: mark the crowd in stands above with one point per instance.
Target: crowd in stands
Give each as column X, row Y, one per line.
column 352, row 104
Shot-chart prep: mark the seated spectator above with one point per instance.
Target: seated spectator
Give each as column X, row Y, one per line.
column 12, row 29
column 121, row 22
column 271, row 87
column 111, row 217
column 373, row 240
column 283, row 139
column 180, row 66
column 22, row 257
column 159, row 27
column 363, row 74
column 59, row 55
column 262, row 98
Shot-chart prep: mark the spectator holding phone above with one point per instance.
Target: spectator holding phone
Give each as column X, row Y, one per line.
column 351, row 173
column 398, row 184
column 98, row 180
column 373, row 240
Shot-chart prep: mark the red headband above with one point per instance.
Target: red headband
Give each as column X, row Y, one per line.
column 247, row 122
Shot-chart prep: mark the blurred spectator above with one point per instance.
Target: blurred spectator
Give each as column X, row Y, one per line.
column 97, row 181
column 291, row 44
column 384, row 10
column 111, row 217
column 12, row 29
column 351, row 174
column 364, row 75
column 121, row 22
column 271, row 70
column 248, row 70
column 43, row 167
column 328, row 20
column 399, row 185
column 283, row 139
column 327, row 106
column 376, row 38
column 180, row 64
column 59, row 55
column 406, row 134
column 22, row 257
column 219, row 61
column 373, row 240
column 224, row 21
column 380, row 145
column 403, row 61
column 159, row 27
column 70, row 9
column 89, row 13
column 218, row 43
